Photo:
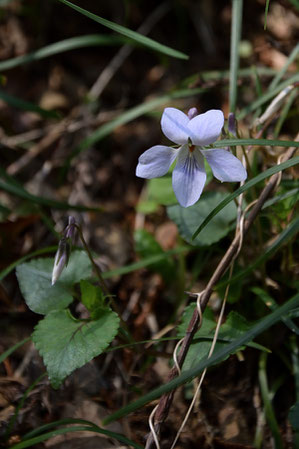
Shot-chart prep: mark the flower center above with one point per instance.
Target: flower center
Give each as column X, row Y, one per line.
column 191, row 148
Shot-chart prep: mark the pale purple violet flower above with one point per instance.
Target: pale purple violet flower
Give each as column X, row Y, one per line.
column 193, row 134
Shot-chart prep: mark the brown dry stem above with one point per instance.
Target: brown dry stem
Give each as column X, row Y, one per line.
column 166, row 400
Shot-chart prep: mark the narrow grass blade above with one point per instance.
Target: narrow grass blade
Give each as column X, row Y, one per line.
column 284, row 69
column 267, row 96
column 22, row 193
column 269, row 412
column 266, row 13
column 284, row 112
column 128, row 116
column 62, row 422
column 271, row 171
column 282, row 239
column 256, row 330
column 21, row 404
column 144, row 262
column 39, row 252
column 216, row 75
column 143, row 40
column 26, row 106
column 236, row 28
column 90, row 40
column 278, row 198
column 77, row 428
column 9, row 351
column 255, row 142
column 272, row 305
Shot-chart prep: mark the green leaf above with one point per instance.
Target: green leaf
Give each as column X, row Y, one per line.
column 143, row 40
column 255, row 142
column 86, row 426
column 147, row 207
column 93, row 299
column 34, row 278
column 188, row 218
column 208, row 323
column 12, row 187
column 26, row 106
column 60, row 47
column 234, row 326
column 67, row 344
column 147, row 246
column 161, row 191
column 271, row 171
column 267, row 96
column 270, row 302
column 66, row 421
column 9, row 351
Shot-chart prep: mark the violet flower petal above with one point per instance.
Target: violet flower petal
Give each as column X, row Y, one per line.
column 174, row 125
column 205, row 128
column 189, row 176
column 155, row 162
column 225, row 166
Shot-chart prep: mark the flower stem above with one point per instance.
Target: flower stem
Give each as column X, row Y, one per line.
column 124, row 329
column 236, row 27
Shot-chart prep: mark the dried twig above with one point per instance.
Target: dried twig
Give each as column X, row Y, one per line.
column 166, row 400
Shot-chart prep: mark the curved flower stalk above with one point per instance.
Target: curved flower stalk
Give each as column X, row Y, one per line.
column 192, row 133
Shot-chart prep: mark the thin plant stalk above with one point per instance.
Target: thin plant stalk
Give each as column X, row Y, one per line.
column 266, row 395
column 103, row 284
column 236, row 27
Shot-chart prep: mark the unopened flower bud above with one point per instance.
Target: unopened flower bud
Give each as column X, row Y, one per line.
column 231, row 124
column 70, row 230
column 193, row 112
column 61, row 259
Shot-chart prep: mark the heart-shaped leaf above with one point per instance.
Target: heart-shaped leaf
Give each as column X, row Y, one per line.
column 189, row 218
column 67, row 344
column 35, row 282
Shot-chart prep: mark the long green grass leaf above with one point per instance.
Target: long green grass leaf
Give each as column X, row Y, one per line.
column 236, row 28
column 39, row 252
column 271, row 171
column 269, row 411
column 255, row 142
column 90, row 40
column 278, row 198
column 78, row 428
column 9, row 351
column 21, row 403
column 283, row 70
column 282, row 239
column 143, row 40
column 27, row 106
column 144, row 262
column 266, row 14
column 267, row 96
column 285, row 112
column 22, row 193
column 272, row 305
column 130, row 115
column 252, row 333
column 62, row 422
